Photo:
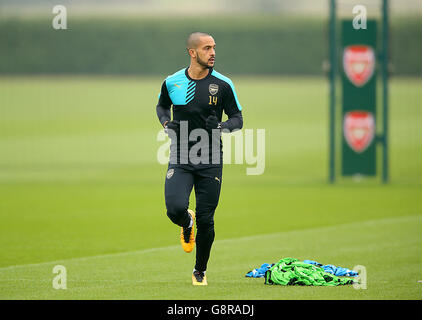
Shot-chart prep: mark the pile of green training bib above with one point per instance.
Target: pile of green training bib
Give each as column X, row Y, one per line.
column 290, row 272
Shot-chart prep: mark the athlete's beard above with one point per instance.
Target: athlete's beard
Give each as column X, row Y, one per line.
column 201, row 62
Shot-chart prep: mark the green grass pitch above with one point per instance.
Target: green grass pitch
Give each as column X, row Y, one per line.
column 80, row 186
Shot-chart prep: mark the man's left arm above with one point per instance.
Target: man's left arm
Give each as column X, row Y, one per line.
column 232, row 109
column 233, row 123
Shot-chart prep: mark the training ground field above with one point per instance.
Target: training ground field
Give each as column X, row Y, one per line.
column 80, row 186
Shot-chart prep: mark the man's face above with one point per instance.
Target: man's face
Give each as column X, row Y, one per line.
column 205, row 52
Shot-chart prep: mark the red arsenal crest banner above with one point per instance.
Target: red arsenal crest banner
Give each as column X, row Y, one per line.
column 359, row 99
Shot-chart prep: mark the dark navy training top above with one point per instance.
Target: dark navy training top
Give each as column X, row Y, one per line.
column 193, row 101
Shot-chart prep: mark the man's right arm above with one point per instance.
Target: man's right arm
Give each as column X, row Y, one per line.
column 164, row 105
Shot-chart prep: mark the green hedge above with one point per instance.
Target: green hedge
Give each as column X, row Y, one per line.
column 245, row 45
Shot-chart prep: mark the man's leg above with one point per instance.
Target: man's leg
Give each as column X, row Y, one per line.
column 178, row 186
column 207, row 192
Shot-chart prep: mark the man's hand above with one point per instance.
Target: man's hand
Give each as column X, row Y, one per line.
column 212, row 122
column 172, row 125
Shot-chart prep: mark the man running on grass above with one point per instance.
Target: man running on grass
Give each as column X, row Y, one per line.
column 199, row 95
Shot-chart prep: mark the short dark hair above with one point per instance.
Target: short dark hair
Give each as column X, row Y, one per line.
column 193, row 39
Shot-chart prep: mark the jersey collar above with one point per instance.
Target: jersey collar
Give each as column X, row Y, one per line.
column 206, row 77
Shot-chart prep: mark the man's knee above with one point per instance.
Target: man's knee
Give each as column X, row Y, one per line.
column 177, row 212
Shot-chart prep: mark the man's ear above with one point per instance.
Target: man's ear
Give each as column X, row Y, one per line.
column 192, row 53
